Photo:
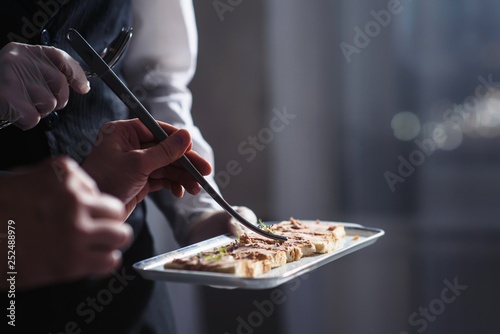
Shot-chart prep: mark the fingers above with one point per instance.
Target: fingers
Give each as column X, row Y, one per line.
column 169, row 129
column 175, row 178
column 59, row 88
column 166, row 152
column 40, row 95
column 108, row 235
column 52, row 71
column 38, row 77
column 199, row 162
column 27, row 85
column 145, row 165
column 144, row 135
column 99, row 216
column 69, row 67
column 98, row 205
column 59, row 71
column 105, row 206
column 23, row 113
column 104, row 241
column 101, row 263
column 172, row 148
column 176, row 188
column 84, row 183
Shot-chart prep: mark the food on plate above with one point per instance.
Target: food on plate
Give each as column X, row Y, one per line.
column 222, row 263
column 252, row 254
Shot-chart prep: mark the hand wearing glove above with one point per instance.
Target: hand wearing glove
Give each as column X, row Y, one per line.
column 63, row 228
column 214, row 223
column 127, row 162
column 34, row 81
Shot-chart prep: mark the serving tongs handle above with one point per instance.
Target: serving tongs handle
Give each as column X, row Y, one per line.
column 99, row 66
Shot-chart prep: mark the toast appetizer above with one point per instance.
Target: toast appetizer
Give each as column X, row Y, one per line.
column 325, row 237
column 220, row 262
column 252, row 254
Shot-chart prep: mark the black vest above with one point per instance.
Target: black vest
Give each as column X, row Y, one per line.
column 124, row 302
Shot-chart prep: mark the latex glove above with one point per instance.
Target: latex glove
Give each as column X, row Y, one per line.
column 35, row 80
column 64, row 227
column 127, row 162
column 213, row 223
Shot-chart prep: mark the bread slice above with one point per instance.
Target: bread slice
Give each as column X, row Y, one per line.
column 330, row 231
column 294, row 249
column 255, row 251
column 225, row 264
column 325, row 237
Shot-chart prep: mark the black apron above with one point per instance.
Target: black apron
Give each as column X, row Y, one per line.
column 122, row 302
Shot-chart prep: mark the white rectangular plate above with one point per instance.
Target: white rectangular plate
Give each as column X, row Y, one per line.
column 153, row 268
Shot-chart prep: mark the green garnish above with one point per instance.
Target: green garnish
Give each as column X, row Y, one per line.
column 238, row 240
column 222, row 251
column 268, row 228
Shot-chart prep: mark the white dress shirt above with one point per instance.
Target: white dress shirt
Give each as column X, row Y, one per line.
column 159, row 64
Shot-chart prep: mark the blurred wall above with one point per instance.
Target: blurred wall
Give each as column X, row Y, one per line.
column 231, row 99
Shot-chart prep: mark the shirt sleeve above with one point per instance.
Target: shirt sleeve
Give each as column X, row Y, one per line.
column 159, row 65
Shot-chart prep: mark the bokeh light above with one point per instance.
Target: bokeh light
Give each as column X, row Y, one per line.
column 406, row 125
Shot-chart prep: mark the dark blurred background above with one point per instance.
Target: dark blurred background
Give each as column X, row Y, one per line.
column 392, row 117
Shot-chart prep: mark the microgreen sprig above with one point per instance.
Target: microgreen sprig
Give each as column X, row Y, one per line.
column 222, row 251
column 268, row 228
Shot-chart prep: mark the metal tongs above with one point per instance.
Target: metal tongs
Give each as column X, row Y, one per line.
column 102, row 70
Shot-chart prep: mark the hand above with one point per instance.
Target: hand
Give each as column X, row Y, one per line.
column 65, row 229
column 34, row 81
column 211, row 224
column 127, row 162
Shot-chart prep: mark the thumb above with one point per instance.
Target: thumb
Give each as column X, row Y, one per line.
column 168, row 151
